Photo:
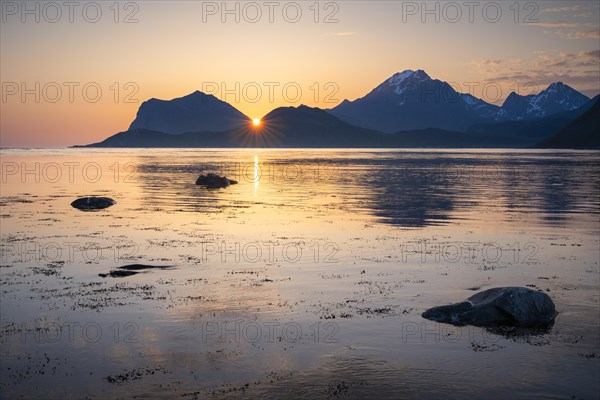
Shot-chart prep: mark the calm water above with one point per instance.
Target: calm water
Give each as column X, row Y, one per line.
column 305, row 280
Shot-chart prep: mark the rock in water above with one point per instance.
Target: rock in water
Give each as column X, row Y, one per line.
column 141, row 267
column 118, row 274
column 132, row 269
column 504, row 306
column 93, row 203
column 214, row 181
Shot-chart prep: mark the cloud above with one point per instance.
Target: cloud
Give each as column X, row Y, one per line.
column 543, row 68
column 566, row 30
column 585, row 34
column 583, row 15
column 572, row 22
column 562, row 9
column 592, row 54
column 556, row 24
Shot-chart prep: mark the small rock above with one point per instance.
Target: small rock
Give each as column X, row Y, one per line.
column 93, row 203
column 132, row 269
column 214, row 181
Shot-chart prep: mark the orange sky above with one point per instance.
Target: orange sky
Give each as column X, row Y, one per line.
column 162, row 49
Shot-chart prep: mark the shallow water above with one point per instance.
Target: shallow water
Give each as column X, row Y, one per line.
column 306, row 279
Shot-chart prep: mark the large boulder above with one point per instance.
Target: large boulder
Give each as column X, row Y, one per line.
column 504, row 306
column 93, row 203
column 214, row 181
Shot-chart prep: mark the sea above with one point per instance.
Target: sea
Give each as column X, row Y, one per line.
column 306, row 279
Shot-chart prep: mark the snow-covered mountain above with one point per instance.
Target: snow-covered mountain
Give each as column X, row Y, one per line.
column 413, row 100
column 556, row 98
column 483, row 109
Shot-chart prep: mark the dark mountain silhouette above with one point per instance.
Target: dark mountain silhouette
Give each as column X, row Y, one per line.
column 412, row 100
column 283, row 127
column 530, row 132
column 312, row 127
column 304, row 127
column 581, row 133
column 439, row 138
column 195, row 112
column 149, row 138
column 555, row 98
column 410, row 109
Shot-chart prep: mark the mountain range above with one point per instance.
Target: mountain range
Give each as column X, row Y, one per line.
column 413, row 100
column 409, row 109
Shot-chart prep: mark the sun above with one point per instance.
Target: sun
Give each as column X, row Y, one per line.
column 256, row 122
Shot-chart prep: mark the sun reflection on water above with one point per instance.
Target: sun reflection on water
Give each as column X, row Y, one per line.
column 256, row 173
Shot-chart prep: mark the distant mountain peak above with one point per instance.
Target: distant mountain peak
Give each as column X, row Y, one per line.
column 194, row 112
column 560, row 87
column 556, row 85
column 196, row 94
column 555, row 98
column 399, row 77
column 295, row 112
column 305, row 107
column 400, row 81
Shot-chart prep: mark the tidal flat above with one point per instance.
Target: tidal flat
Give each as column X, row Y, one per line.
column 307, row 279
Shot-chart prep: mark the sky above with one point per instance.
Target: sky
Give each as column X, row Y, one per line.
column 76, row 72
